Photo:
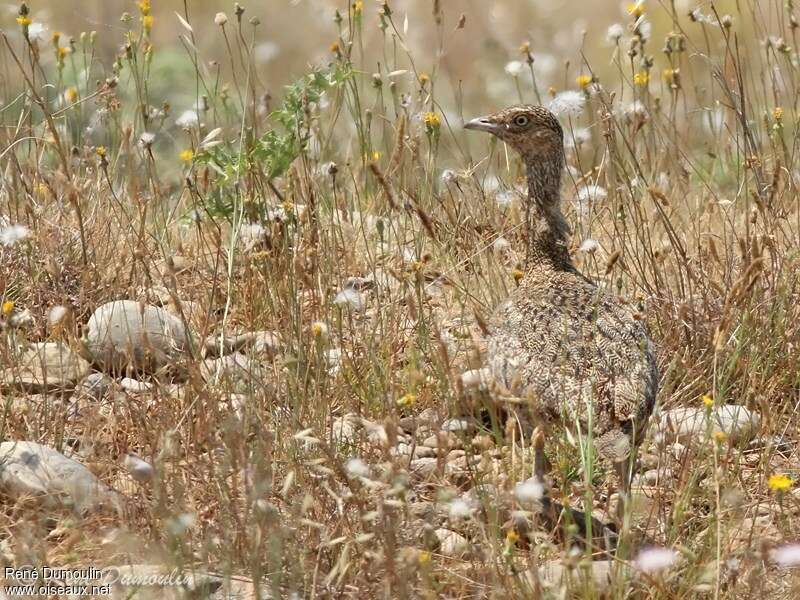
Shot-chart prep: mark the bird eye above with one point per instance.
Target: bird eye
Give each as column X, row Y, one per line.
column 521, row 120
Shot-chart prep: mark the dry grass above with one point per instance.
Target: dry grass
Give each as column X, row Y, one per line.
column 696, row 223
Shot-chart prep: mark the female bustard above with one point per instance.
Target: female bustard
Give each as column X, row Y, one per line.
column 581, row 356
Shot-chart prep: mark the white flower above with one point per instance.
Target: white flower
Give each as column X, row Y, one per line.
column 12, row 234
column 591, row 192
column 220, row 19
column 514, row 68
column 56, row 315
column 350, row 298
column 636, row 109
column 614, row 33
column 643, row 28
column 187, row 119
column 501, row 244
column 589, row 246
column 530, row 490
column 147, row 138
column 356, row 467
column 448, row 176
column 569, row 103
column 786, row 556
column 36, row 32
column 460, row 509
column 654, row 559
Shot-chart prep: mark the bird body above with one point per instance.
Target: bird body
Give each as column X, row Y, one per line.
column 578, row 353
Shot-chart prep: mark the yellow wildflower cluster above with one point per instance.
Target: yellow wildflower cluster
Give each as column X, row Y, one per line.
column 777, row 113
column 186, row 155
column 636, row 9
column 24, row 20
column 707, row 401
column 424, row 78
column 406, row 400
column 358, row 8
column 432, row 120
column 780, row 483
column 583, row 81
column 8, row 307
column 71, row 94
column 642, row 78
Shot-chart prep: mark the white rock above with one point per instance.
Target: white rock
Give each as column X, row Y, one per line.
column 689, row 424
column 475, row 379
column 235, row 371
column 31, row 469
column 140, row 470
column 554, row 575
column 423, row 467
column 344, row 429
column 134, row 386
column 451, row 543
column 95, row 386
column 45, row 366
column 125, row 333
column 456, row 425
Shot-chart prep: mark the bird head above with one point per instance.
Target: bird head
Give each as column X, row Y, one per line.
column 533, row 131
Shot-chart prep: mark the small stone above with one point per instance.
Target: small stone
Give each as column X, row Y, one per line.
column 455, row 425
column 31, row 469
column 135, row 386
column 443, row 439
column 423, row 468
column 45, row 367
column 345, row 429
column 475, row 379
column 423, row 452
column 689, row 424
column 139, row 469
column 125, row 333
column 451, row 544
column 265, row 343
column 95, row 386
column 411, row 423
column 554, row 575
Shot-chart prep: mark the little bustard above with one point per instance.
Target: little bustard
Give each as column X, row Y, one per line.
column 580, row 355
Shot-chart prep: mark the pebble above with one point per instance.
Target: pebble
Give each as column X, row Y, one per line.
column 125, row 333
column 451, row 544
column 135, row 386
column 95, row 386
column 140, row 470
column 457, row 425
column 423, row 467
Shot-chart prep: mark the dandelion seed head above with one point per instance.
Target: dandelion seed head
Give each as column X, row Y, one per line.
column 614, row 33
column 530, row 490
column 514, row 68
column 355, row 467
column 655, row 559
column 37, row 32
column 448, row 176
column 12, row 234
column 589, row 246
column 147, row 138
column 459, row 508
column 187, row 119
column 568, row 103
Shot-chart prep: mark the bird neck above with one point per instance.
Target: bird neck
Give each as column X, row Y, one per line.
column 546, row 228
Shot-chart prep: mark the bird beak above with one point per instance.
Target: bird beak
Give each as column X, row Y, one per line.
column 482, row 124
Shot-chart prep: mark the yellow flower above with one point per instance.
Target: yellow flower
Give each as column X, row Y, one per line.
column 186, row 155
column 583, row 81
column 432, row 120
column 406, row 400
column 636, row 9
column 144, row 6
column 319, row 329
column 517, row 274
column 147, row 22
column 63, row 52
column 100, row 151
column 424, row 557
column 668, row 74
column 358, row 8
column 512, row 536
column 56, row 37
column 41, row 190
column 376, row 156
column 8, row 307
column 777, row 113
column 71, row 94
column 707, row 400
column 720, row 437
column 780, row 483
column 642, row 78
column 334, row 48
column 24, row 20
column 424, row 78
